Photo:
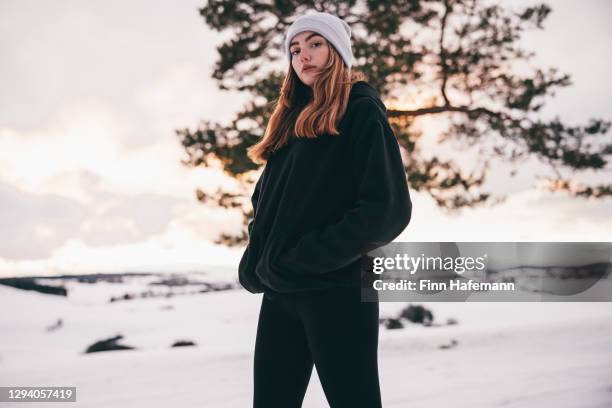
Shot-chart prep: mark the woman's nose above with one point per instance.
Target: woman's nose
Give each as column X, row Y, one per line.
column 304, row 56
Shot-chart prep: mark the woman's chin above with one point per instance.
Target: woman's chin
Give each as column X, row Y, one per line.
column 308, row 78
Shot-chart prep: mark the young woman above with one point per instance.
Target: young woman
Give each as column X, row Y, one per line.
column 333, row 188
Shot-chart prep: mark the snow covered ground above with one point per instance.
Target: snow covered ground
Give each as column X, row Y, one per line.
column 507, row 354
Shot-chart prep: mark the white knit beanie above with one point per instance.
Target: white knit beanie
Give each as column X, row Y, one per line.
column 335, row 30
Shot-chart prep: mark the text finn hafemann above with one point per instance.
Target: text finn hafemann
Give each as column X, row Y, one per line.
column 456, row 284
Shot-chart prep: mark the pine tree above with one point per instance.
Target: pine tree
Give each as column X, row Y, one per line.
column 462, row 52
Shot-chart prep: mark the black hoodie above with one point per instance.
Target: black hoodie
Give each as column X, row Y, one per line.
column 322, row 203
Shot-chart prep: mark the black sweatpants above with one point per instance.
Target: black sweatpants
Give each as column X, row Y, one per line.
column 331, row 329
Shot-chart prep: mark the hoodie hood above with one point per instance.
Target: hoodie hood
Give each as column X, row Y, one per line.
column 362, row 89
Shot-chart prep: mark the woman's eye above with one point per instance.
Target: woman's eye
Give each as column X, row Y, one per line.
column 297, row 51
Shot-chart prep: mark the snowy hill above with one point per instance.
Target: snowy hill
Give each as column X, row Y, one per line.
column 504, row 354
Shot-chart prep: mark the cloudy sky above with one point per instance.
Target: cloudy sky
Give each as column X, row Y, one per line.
column 90, row 173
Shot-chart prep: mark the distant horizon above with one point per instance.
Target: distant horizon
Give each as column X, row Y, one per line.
column 148, row 270
column 151, row 272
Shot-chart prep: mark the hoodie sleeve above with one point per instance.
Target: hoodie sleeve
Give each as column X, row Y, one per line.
column 255, row 201
column 247, row 280
column 380, row 213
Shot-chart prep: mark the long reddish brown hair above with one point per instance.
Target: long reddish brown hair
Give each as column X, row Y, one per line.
column 302, row 111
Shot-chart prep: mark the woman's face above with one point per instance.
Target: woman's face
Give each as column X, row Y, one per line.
column 309, row 53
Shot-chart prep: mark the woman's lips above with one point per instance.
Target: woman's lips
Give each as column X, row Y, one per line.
column 308, row 69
